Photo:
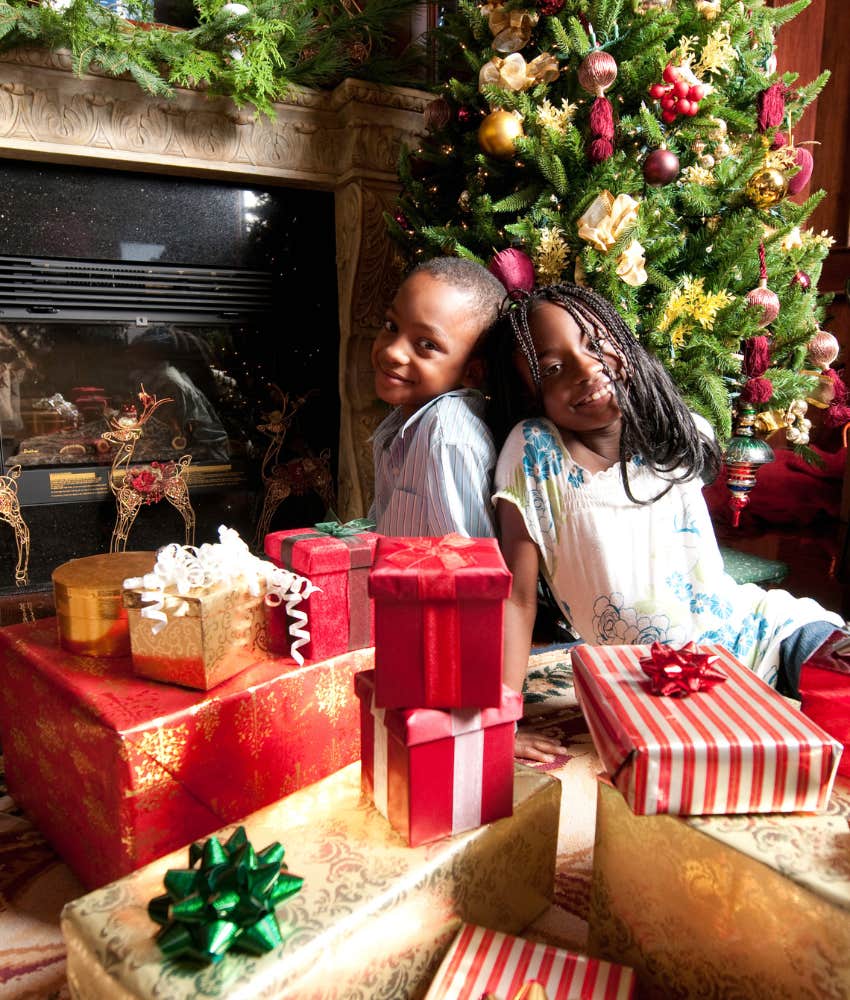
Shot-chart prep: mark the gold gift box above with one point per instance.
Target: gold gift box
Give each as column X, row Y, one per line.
column 374, row 917
column 90, row 613
column 210, row 635
column 751, row 906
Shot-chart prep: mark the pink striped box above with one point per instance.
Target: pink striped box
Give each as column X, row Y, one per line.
column 486, row 963
column 738, row 747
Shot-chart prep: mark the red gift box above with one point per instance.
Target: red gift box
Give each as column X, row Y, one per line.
column 435, row 773
column 736, row 747
column 117, row 770
column 825, row 690
column 488, row 963
column 439, row 613
column 341, row 614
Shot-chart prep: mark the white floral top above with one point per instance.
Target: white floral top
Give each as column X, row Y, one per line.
column 628, row 574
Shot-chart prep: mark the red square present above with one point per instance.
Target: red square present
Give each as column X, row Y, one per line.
column 736, row 747
column 825, row 690
column 436, row 773
column 486, row 963
column 116, row 770
column 439, row 621
column 341, row 614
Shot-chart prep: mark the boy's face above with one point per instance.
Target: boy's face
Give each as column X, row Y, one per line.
column 426, row 343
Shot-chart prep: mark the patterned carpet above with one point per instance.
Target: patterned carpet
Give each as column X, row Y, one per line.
column 35, row 884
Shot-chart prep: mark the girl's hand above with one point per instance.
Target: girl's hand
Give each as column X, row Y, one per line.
column 533, row 746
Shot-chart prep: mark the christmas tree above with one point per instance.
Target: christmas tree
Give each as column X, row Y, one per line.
column 644, row 148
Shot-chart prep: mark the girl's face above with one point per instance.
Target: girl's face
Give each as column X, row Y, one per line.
column 578, row 395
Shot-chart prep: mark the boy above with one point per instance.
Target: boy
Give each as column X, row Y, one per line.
column 434, row 454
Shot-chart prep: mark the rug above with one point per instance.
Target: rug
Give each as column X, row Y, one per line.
column 35, row 884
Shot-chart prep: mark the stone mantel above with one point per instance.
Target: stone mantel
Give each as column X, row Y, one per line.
column 346, row 140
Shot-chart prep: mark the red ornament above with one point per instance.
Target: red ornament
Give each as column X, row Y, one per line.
column 598, row 70
column 549, row 8
column 465, row 115
column 805, row 161
column 762, row 297
column 514, row 269
column 822, row 349
column 802, row 280
column 757, row 389
column 401, row 219
column 438, row 114
column 660, row 167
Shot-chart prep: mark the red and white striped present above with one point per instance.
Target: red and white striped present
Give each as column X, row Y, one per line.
column 738, row 747
column 487, row 963
column 437, row 772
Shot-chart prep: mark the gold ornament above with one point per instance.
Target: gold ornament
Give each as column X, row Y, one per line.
column 497, row 133
column 133, row 486
column 10, row 512
column 766, row 187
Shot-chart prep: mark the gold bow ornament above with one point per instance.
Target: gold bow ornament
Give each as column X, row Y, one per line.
column 514, row 73
column 511, row 28
column 606, row 220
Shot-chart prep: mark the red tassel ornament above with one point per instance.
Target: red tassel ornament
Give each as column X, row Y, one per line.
column 757, row 389
column 770, row 106
column 598, row 70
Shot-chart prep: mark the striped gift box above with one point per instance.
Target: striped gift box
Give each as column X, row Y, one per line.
column 487, row 963
column 738, row 747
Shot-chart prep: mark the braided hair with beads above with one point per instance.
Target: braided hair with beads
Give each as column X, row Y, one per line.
column 656, row 424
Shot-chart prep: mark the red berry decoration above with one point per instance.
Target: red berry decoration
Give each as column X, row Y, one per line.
column 660, row 167
column 677, row 96
column 549, row 8
column 598, row 70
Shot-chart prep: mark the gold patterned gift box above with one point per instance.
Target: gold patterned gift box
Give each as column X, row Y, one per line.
column 116, row 770
column 90, row 613
column 374, row 917
column 750, row 906
column 209, row 635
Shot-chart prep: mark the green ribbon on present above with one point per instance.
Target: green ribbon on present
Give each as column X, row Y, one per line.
column 225, row 899
column 338, row 530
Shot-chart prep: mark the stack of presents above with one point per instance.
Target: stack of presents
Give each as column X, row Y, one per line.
column 294, row 777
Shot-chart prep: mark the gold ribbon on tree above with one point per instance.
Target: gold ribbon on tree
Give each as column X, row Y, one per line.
column 606, row 219
column 514, row 73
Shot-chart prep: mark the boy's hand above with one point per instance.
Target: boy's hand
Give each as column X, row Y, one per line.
column 533, row 746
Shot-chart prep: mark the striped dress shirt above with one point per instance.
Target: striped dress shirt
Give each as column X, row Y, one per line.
column 434, row 470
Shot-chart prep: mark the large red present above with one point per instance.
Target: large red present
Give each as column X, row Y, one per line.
column 486, row 963
column 435, row 773
column 735, row 747
column 825, row 690
column 335, row 558
column 439, row 614
column 117, row 770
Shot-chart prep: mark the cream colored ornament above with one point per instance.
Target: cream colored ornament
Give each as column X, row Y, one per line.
column 709, row 9
column 647, row 6
column 631, row 265
column 792, row 240
column 797, row 425
column 606, row 219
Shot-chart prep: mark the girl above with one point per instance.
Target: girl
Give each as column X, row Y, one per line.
column 601, row 488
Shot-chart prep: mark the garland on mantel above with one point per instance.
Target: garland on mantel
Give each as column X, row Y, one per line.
column 254, row 55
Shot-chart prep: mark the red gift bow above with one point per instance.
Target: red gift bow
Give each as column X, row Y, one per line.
column 677, row 673
column 446, row 552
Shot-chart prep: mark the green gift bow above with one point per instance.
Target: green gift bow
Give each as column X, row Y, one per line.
column 337, row 530
column 226, row 902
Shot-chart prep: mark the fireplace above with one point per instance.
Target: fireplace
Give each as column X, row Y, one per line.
column 242, row 265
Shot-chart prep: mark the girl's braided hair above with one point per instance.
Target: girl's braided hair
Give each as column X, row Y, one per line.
column 656, row 424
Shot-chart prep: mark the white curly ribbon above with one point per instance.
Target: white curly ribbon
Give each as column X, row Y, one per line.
column 180, row 569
